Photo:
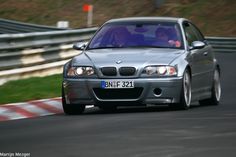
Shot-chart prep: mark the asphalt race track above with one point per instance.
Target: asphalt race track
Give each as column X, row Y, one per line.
column 202, row 131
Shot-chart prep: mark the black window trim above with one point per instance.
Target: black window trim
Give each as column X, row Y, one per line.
column 190, row 23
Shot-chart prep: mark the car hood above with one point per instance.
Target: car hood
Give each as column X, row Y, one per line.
column 128, row 56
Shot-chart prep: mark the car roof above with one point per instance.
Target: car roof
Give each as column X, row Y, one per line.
column 147, row 19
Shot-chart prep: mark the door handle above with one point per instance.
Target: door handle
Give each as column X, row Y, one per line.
column 205, row 53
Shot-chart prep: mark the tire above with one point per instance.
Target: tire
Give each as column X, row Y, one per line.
column 215, row 91
column 186, row 93
column 70, row 109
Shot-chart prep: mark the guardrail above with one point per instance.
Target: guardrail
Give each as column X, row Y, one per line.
column 12, row 27
column 44, row 53
column 223, row 44
column 38, row 54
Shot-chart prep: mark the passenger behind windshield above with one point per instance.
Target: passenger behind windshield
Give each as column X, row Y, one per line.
column 121, row 37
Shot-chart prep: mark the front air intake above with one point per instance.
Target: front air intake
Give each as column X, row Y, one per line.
column 133, row 93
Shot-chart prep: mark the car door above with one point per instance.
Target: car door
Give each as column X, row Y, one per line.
column 201, row 61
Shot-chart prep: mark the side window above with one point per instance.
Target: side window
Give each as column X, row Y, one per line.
column 198, row 33
column 190, row 33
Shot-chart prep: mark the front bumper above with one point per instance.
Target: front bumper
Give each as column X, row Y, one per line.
column 146, row 91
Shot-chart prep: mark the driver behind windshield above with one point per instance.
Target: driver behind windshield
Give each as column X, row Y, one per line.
column 163, row 38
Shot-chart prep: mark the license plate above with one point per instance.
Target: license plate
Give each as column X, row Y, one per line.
column 117, row 84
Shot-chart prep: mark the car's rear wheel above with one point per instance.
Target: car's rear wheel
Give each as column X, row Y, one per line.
column 215, row 91
column 186, row 93
column 71, row 109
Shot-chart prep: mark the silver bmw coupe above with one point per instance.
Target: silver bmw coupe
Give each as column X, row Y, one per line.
column 140, row 61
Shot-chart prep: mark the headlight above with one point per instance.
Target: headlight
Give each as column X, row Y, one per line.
column 160, row 70
column 80, row 71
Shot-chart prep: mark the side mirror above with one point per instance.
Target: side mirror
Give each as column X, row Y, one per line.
column 197, row 45
column 80, row 45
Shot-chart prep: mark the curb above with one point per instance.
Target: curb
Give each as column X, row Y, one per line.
column 30, row 109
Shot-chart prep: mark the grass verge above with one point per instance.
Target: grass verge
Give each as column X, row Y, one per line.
column 31, row 89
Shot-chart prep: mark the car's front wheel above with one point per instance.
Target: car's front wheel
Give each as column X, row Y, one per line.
column 71, row 109
column 215, row 91
column 186, row 93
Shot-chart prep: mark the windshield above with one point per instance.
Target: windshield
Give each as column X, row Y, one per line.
column 138, row 34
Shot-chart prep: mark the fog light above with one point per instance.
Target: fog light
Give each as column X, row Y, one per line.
column 157, row 91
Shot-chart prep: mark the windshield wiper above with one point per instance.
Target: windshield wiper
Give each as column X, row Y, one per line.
column 151, row 46
column 138, row 46
column 105, row 47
